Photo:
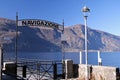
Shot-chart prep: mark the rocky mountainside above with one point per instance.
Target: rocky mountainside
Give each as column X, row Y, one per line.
column 39, row 39
column 97, row 40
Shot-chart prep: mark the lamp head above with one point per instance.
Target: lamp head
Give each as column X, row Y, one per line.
column 85, row 9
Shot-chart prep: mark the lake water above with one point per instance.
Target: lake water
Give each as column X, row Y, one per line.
column 108, row 58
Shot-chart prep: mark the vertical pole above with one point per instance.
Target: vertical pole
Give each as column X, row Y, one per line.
column 63, row 26
column 55, row 71
column 98, row 56
column 1, row 62
column 86, row 51
column 80, row 57
column 66, row 68
column 99, row 59
column 16, row 43
column 85, row 10
column 16, row 39
column 38, row 71
column 24, row 71
column 63, row 54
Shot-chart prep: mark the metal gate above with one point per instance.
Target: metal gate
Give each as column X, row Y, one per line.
column 39, row 70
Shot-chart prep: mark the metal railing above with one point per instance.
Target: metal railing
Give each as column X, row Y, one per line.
column 31, row 69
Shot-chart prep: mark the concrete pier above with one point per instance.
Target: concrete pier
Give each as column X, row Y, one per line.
column 72, row 71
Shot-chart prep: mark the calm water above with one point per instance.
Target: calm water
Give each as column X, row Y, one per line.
column 108, row 58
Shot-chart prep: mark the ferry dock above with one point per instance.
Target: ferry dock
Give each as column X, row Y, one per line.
column 56, row 70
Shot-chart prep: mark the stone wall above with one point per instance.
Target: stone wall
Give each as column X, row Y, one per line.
column 98, row 72
column 81, row 71
column 104, row 73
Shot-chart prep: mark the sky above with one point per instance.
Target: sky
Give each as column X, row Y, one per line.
column 104, row 14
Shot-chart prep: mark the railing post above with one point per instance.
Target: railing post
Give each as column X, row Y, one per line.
column 99, row 59
column 38, row 71
column 55, row 70
column 24, row 71
column 1, row 62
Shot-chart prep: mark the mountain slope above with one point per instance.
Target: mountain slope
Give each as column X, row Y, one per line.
column 97, row 40
column 38, row 39
column 30, row 39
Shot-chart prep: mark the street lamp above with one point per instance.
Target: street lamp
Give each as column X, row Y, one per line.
column 86, row 11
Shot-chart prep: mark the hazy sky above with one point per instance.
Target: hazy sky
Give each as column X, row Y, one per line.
column 104, row 15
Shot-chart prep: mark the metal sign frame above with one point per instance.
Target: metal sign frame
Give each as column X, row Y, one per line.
column 34, row 22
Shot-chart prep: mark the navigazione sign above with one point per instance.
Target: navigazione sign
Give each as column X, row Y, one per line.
column 37, row 22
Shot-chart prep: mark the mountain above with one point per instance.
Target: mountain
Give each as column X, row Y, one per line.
column 40, row 39
column 97, row 40
column 30, row 39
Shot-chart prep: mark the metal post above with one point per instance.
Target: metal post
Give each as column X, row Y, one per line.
column 16, row 39
column 80, row 57
column 62, row 41
column 66, row 70
column 16, row 44
column 99, row 59
column 63, row 54
column 38, row 71
column 98, row 56
column 1, row 62
column 85, row 10
column 24, row 71
column 86, row 50
column 55, row 71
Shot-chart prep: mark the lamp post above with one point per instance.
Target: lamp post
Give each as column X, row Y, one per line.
column 85, row 11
